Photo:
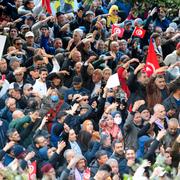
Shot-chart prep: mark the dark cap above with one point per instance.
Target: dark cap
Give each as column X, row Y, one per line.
column 14, row 86
column 24, row 26
column 32, row 68
column 77, row 80
column 127, row 22
column 18, row 151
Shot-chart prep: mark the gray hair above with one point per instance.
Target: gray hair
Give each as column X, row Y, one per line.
column 79, row 31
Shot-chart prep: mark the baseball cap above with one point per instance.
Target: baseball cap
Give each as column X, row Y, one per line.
column 77, row 80
column 89, row 13
column 29, row 34
column 27, row 86
column 18, row 151
column 24, row 26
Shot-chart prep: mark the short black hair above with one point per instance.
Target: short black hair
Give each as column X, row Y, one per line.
column 38, row 58
column 100, row 153
column 105, row 167
column 42, row 70
column 116, row 141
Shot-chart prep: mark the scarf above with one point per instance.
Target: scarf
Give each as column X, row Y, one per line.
column 112, row 19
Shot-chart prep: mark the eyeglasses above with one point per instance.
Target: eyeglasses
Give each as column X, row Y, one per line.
column 19, row 44
column 19, row 74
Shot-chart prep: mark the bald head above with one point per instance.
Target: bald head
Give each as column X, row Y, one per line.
column 17, row 114
column 173, row 126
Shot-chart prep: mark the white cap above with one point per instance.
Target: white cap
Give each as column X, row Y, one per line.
column 29, row 34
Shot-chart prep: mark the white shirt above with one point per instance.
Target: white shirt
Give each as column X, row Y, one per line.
column 40, row 87
column 96, row 88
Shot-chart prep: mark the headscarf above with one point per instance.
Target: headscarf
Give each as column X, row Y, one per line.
column 112, row 19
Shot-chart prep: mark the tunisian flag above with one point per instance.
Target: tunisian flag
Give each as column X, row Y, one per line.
column 139, row 32
column 118, row 30
column 32, row 170
column 151, row 60
column 46, row 5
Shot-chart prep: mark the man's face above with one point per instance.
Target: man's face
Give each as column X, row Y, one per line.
column 3, row 65
column 172, row 128
column 61, row 19
column 96, row 77
column 56, row 81
column 12, row 104
column 89, row 17
column 145, row 115
column 31, row 5
column 76, row 56
column 115, row 47
column 123, row 46
column 42, row 142
column 160, row 83
column 119, row 148
column 87, row 46
column 40, row 63
column 102, row 160
column 58, row 44
column 18, row 44
column 143, row 79
column 130, row 155
column 76, row 37
column 77, row 86
column 15, row 137
column 158, row 41
column 161, row 113
column 13, row 33
column 137, row 118
column 34, row 74
column 72, row 135
column 43, row 76
column 30, row 40
column 81, row 165
column 19, row 76
column 44, row 30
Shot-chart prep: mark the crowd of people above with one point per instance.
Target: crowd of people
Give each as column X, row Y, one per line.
column 60, row 120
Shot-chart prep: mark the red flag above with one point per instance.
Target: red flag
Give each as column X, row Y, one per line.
column 46, row 5
column 118, row 30
column 139, row 32
column 32, row 170
column 151, row 60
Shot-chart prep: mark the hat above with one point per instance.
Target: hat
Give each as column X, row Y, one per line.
column 43, row 153
column 27, row 86
column 14, row 86
column 18, row 151
column 170, row 30
column 24, row 26
column 138, row 21
column 77, row 80
column 127, row 22
column 89, row 13
column 46, row 167
column 29, row 34
column 142, row 108
column 174, row 25
column 30, row 18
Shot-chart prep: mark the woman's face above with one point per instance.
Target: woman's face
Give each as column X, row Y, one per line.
column 160, row 83
column 110, row 121
column 89, row 127
column 106, row 75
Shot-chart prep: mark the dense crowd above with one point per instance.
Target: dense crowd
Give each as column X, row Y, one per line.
column 58, row 117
